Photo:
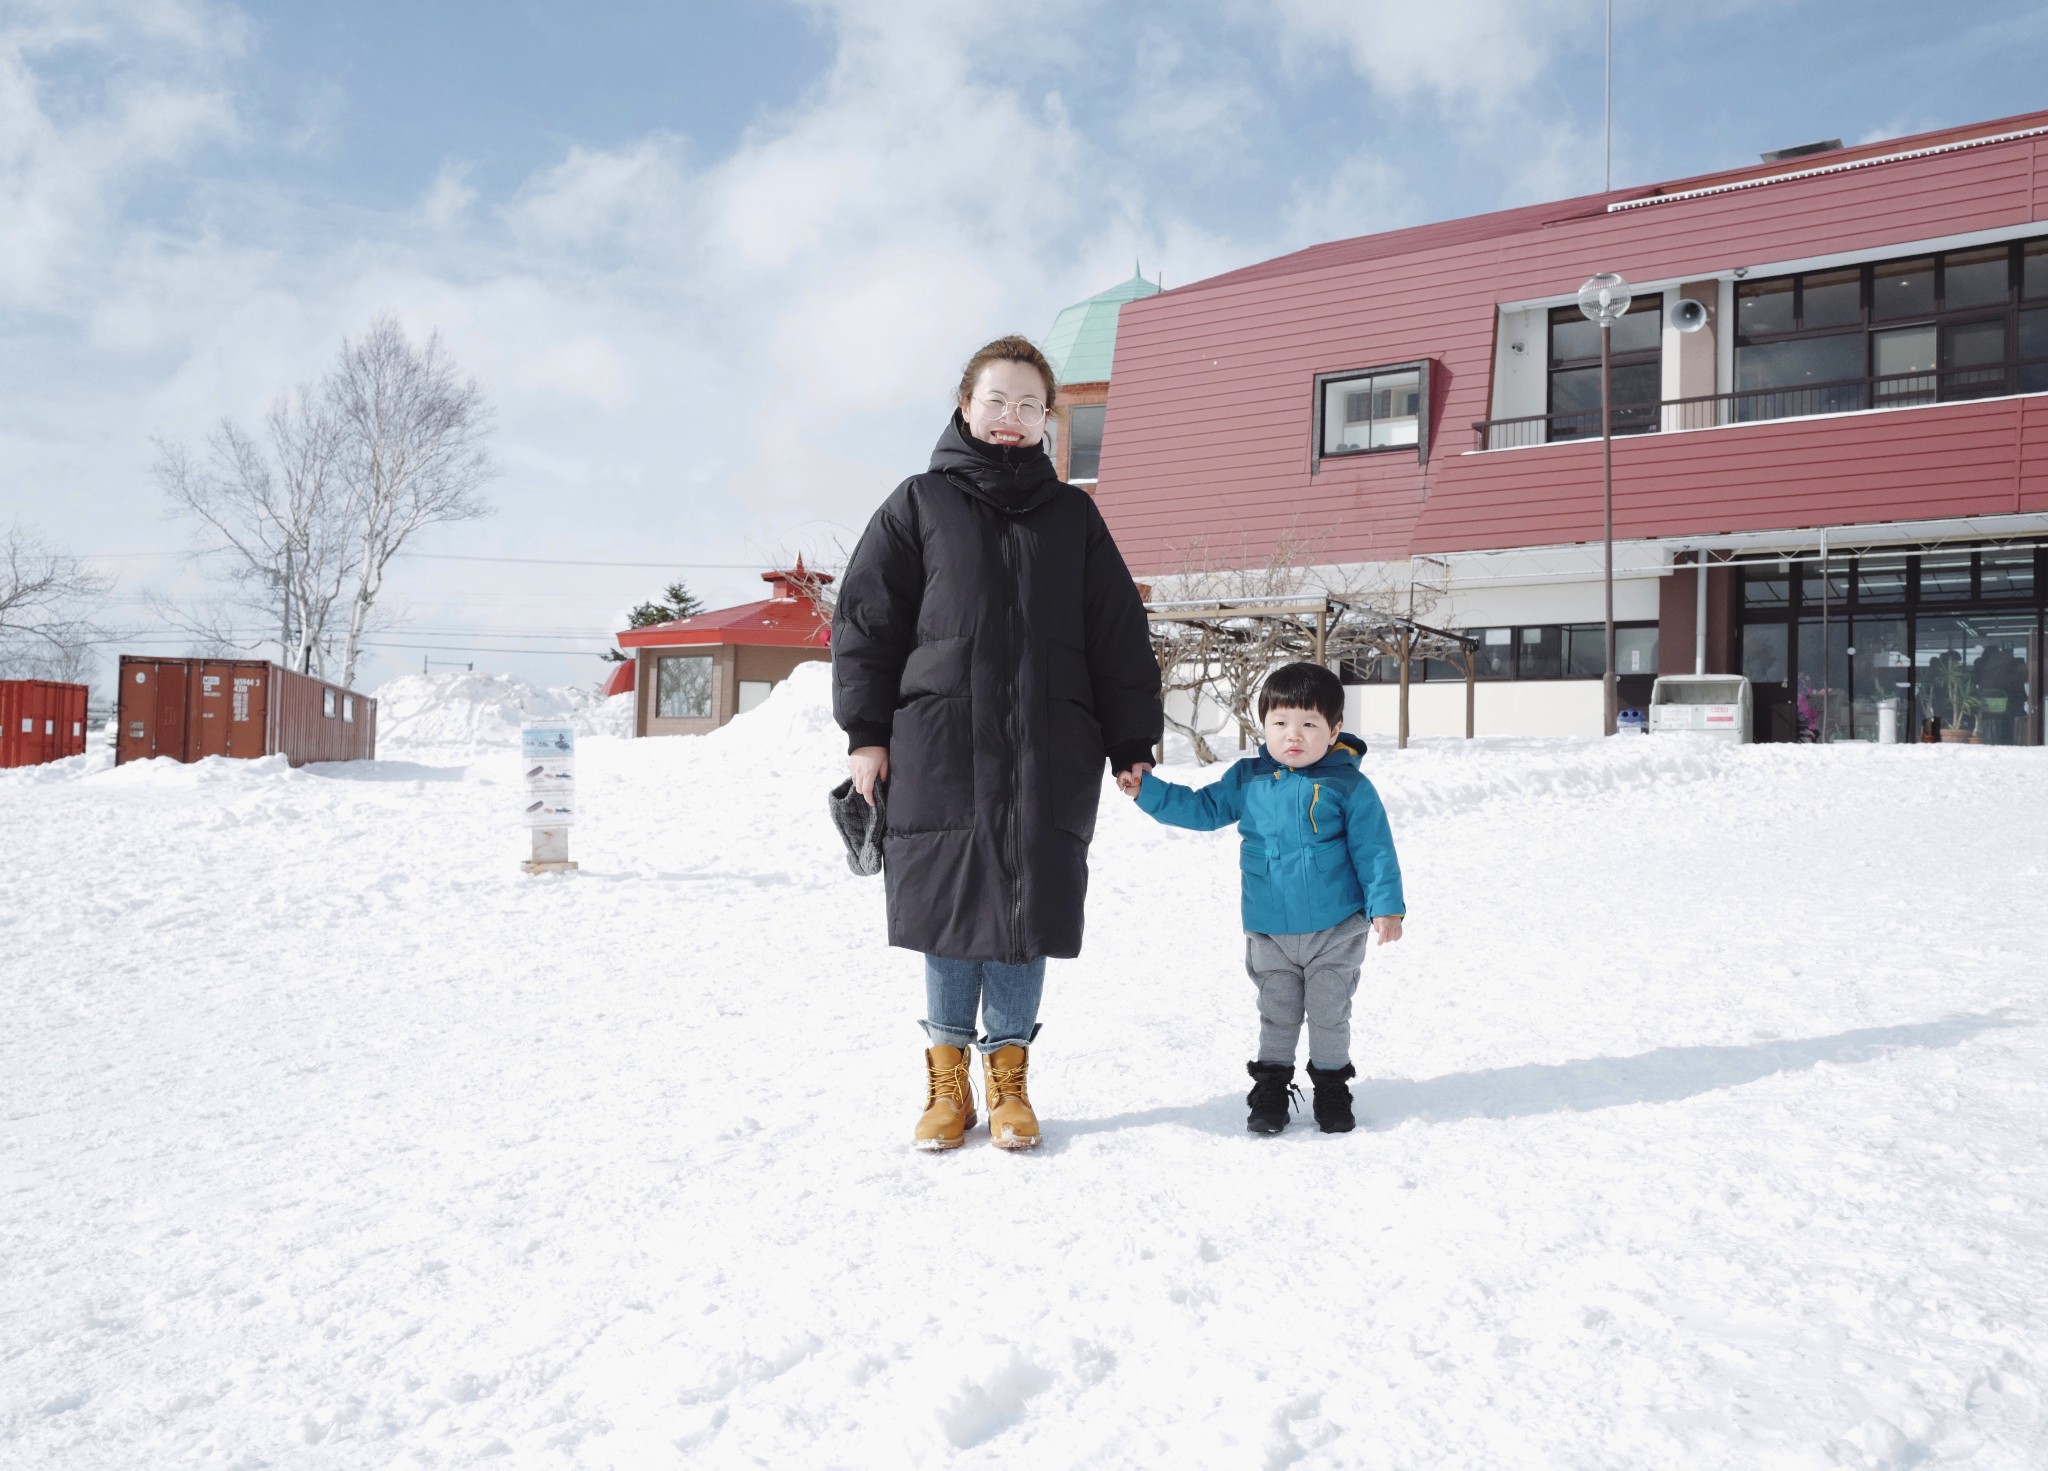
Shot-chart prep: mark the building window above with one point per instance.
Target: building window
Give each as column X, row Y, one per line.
column 1544, row 651
column 348, row 709
column 752, row 693
column 1636, row 369
column 1084, row 442
column 682, row 687
column 1932, row 328
column 1495, row 656
column 1367, row 412
column 327, row 703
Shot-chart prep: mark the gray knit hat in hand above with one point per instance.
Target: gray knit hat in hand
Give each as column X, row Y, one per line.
column 860, row 826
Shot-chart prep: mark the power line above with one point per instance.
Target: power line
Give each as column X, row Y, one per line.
column 456, row 557
column 574, row 562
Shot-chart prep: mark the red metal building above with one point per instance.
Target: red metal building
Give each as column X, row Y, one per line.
column 40, row 720
column 188, row 709
column 696, row 673
column 1856, row 444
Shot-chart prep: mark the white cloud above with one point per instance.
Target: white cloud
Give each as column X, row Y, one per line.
column 1478, row 57
column 65, row 173
column 714, row 357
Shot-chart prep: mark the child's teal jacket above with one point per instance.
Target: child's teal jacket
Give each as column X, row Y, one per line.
column 1317, row 848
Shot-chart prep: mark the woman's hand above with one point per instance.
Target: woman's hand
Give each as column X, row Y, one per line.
column 868, row 765
column 1388, row 928
column 1130, row 780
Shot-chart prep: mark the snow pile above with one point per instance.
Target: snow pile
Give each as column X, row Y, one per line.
column 463, row 709
column 1703, row 1112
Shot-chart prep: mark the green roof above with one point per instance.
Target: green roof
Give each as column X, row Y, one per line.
column 1083, row 337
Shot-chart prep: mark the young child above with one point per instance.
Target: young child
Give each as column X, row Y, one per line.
column 1320, row 875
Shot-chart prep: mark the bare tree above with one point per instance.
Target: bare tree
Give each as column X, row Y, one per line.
column 303, row 523
column 49, row 602
column 278, row 524
column 1221, row 660
column 412, row 432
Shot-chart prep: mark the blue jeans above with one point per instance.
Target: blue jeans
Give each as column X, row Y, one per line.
column 1006, row 996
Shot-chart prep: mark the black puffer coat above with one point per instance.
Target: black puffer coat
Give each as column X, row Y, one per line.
column 988, row 633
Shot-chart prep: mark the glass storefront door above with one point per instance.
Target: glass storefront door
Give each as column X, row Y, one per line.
column 1970, row 672
column 1879, row 670
column 1827, row 695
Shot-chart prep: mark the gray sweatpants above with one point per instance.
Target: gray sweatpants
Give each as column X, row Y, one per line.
column 1313, row 975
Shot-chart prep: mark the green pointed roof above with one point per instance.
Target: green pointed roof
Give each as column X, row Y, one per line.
column 1083, row 337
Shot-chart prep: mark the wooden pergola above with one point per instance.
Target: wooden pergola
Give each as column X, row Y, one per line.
column 1319, row 629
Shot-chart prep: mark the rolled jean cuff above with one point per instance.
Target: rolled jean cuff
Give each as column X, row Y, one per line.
column 946, row 1036
column 993, row 1044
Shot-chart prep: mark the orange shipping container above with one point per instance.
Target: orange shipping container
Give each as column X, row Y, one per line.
column 192, row 708
column 40, row 720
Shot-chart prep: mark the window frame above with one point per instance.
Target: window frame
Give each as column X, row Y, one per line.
column 1650, row 303
column 1951, row 384
column 1073, row 440
column 710, row 689
column 1323, row 381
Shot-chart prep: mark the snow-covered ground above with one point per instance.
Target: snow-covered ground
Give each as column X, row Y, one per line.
column 1706, row 1111
column 446, row 713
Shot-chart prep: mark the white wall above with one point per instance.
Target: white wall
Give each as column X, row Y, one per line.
column 1520, row 385
column 1495, row 605
column 1545, row 707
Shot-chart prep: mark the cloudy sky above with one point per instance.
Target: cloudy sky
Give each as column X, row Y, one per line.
column 718, row 262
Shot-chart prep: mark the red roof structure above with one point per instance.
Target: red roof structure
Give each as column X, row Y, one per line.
column 705, row 668
column 786, row 618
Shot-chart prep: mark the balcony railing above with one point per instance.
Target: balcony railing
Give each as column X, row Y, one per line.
column 1755, row 405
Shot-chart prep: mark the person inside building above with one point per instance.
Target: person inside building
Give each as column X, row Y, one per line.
column 989, row 652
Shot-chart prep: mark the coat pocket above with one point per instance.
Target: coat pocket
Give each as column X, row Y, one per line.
column 931, row 744
column 1074, row 765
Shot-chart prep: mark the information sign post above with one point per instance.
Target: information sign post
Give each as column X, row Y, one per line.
column 547, row 762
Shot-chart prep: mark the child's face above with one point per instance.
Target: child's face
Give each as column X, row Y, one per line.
column 1297, row 738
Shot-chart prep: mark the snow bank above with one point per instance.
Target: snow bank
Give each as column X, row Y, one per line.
column 1702, row 1109
column 463, row 709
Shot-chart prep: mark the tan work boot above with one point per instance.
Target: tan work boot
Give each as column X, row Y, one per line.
column 948, row 1099
column 1011, row 1123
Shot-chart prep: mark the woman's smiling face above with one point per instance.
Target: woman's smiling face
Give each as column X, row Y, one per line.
column 991, row 410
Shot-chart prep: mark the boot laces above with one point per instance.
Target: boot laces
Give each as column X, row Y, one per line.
column 949, row 1080
column 1005, row 1083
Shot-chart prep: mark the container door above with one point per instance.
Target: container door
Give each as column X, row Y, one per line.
column 141, row 691
column 210, row 735
column 10, row 725
column 42, row 722
column 247, row 709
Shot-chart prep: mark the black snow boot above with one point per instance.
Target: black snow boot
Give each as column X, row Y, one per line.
column 1333, row 1097
column 1272, row 1092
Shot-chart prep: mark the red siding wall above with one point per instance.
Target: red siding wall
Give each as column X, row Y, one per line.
column 1208, row 437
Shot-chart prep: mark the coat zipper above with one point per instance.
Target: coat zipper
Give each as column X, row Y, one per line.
column 1315, row 796
column 1016, row 752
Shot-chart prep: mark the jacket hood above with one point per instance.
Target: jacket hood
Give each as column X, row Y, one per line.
column 1345, row 751
column 1010, row 479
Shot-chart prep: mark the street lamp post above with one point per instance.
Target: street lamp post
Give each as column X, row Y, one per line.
column 1605, row 300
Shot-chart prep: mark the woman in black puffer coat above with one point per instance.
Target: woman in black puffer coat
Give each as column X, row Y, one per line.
column 989, row 653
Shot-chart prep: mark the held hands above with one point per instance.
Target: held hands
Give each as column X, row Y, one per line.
column 1388, row 928
column 868, row 765
column 1129, row 781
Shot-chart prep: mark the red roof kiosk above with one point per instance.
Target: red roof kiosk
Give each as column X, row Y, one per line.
column 696, row 673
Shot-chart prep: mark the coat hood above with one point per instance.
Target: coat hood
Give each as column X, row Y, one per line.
column 1344, row 752
column 1011, row 480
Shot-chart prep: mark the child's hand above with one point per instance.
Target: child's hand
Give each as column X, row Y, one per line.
column 1388, row 928
column 1128, row 782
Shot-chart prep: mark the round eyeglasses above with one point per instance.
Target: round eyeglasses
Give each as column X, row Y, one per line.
column 1029, row 411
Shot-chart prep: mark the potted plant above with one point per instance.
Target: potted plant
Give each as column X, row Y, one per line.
column 1956, row 686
